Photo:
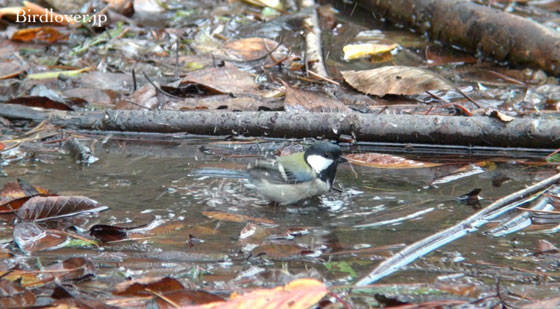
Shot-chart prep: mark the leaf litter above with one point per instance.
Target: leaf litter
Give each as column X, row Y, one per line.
column 119, row 49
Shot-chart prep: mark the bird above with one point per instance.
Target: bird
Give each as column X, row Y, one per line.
column 298, row 176
column 289, row 179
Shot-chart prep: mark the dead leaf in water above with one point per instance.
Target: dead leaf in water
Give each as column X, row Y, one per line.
column 41, row 208
column 30, row 237
column 301, row 293
column 13, row 295
column 400, row 80
column 381, row 160
column 231, row 217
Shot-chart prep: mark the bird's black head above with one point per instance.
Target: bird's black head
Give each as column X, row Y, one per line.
column 323, row 158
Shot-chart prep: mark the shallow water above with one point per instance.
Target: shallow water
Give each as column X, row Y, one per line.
column 152, row 178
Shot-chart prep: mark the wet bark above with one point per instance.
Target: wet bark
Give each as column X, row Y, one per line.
column 451, row 130
column 477, row 28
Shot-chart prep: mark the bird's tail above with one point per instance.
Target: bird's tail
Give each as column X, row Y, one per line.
column 218, row 172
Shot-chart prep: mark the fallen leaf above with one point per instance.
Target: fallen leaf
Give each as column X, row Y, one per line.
column 223, row 80
column 57, row 74
column 12, row 295
column 30, row 238
column 40, row 208
column 381, row 160
column 400, row 80
column 355, row 51
column 546, row 247
column 44, row 34
column 42, row 102
column 275, row 4
column 16, row 194
column 226, row 102
column 250, row 49
column 71, row 268
column 230, row 217
column 301, row 293
column 108, row 233
column 299, row 100
column 280, row 251
column 11, row 68
column 144, row 286
column 501, row 116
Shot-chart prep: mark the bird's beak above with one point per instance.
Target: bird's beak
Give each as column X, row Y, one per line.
column 341, row 160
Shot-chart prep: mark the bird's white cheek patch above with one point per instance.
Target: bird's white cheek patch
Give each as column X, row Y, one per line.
column 318, row 163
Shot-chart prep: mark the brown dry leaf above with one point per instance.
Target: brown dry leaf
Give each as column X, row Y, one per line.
column 71, row 268
column 545, row 246
column 547, row 303
column 187, row 298
column 250, row 49
column 16, row 194
column 230, row 217
column 226, row 102
column 279, row 251
column 501, row 116
column 124, row 7
column 40, row 208
column 143, row 98
column 43, row 34
column 223, row 80
column 42, row 102
column 301, row 293
column 400, row 80
column 299, row 100
column 144, row 286
column 13, row 295
column 381, row 160
column 32, row 238
column 11, row 68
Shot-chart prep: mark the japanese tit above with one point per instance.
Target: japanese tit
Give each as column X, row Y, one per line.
column 290, row 179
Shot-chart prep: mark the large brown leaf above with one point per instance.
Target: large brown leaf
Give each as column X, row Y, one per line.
column 401, row 80
column 42, row 208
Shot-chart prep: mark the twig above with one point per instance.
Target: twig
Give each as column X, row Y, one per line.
column 314, row 53
column 432, row 242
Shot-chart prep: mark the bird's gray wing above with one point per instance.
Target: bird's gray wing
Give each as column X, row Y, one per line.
column 276, row 173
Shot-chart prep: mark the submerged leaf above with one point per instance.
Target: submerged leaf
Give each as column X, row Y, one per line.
column 31, row 238
column 301, row 293
column 41, row 208
column 401, row 80
column 381, row 160
column 231, row 217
